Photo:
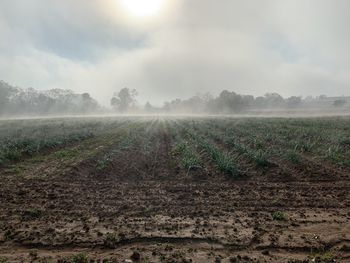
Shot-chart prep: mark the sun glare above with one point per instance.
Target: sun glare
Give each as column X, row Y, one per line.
column 142, row 8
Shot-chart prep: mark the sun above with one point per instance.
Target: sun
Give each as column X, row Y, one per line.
column 142, row 8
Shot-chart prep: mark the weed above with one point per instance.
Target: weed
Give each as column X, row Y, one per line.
column 80, row 258
column 7, row 235
column 325, row 257
column 33, row 213
column 103, row 163
column 110, row 240
column 279, row 216
column 33, row 254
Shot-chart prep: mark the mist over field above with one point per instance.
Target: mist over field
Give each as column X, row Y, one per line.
column 179, row 50
column 174, row 131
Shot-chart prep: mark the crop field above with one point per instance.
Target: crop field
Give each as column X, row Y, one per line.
column 144, row 189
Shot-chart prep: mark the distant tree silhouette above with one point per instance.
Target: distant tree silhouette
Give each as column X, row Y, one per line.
column 148, row 108
column 124, row 99
column 339, row 103
column 293, row 101
column 16, row 101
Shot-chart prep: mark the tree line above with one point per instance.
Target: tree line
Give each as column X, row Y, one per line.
column 228, row 102
column 16, row 101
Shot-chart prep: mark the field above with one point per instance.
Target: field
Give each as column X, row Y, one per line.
column 147, row 189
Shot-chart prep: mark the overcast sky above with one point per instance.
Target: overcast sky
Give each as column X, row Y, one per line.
column 293, row 47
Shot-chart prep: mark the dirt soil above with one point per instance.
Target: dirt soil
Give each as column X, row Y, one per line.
column 144, row 208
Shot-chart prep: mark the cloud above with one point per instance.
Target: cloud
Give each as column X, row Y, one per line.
column 293, row 47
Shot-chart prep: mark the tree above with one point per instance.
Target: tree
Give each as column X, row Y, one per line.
column 124, row 100
column 88, row 103
column 230, row 102
column 149, row 108
column 274, row 100
column 5, row 93
column 294, row 101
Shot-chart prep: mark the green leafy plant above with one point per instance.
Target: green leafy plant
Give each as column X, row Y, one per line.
column 80, row 258
column 279, row 216
column 324, row 257
column 189, row 158
column 103, row 163
column 110, row 240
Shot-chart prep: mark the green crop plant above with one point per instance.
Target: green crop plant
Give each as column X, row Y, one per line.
column 222, row 159
column 260, row 158
column 188, row 158
column 23, row 138
column 294, row 157
column 103, row 163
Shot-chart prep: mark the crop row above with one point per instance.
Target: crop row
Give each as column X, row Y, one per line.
column 222, row 159
column 27, row 138
column 130, row 136
column 292, row 139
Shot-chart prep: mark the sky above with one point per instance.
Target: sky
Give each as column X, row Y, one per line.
column 292, row 47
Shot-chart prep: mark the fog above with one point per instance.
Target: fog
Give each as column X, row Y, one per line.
column 189, row 50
